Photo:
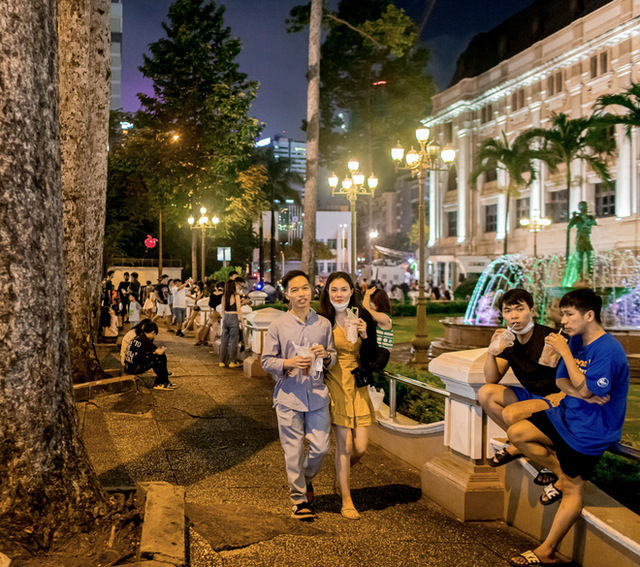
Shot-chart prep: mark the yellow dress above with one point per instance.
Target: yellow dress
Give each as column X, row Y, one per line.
column 350, row 406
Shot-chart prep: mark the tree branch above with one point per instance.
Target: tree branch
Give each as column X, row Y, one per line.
column 355, row 29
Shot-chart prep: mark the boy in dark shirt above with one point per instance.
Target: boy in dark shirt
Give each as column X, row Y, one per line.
column 570, row 438
column 142, row 354
column 506, row 405
column 162, row 302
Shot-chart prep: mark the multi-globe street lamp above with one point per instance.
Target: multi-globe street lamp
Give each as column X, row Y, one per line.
column 352, row 186
column 429, row 158
column 535, row 224
column 203, row 224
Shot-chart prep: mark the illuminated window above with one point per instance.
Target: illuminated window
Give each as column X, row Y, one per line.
column 605, row 199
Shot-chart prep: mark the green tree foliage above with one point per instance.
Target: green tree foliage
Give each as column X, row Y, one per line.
column 372, row 68
column 515, row 159
column 197, row 118
column 628, row 101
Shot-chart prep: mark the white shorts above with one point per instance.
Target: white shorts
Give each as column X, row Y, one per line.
column 163, row 309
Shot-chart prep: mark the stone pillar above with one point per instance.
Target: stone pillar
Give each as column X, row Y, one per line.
column 503, row 182
column 464, row 167
column 434, row 226
column 460, row 480
column 623, row 175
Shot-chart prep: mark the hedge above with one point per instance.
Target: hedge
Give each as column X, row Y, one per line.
column 433, row 308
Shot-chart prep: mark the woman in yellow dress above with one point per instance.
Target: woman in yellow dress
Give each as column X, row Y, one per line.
column 351, row 408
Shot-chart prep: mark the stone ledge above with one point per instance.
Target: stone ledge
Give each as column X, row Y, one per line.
column 117, row 385
column 163, row 529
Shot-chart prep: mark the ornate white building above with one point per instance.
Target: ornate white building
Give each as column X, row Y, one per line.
column 597, row 52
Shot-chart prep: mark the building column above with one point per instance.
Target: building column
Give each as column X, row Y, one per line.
column 463, row 167
column 503, row 182
column 434, row 228
column 624, row 171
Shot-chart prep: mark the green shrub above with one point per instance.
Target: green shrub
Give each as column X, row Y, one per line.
column 620, row 479
column 433, row 308
column 416, row 404
column 466, row 288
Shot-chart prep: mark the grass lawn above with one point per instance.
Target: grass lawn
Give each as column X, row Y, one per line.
column 632, row 421
column 404, row 328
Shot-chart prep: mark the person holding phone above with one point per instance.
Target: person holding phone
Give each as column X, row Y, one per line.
column 351, row 408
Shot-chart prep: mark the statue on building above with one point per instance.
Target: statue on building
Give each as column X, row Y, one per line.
column 580, row 261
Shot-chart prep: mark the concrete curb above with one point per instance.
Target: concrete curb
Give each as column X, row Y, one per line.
column 117, row 385
column 163, row 529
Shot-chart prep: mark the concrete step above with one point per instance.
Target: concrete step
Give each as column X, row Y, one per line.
column 163, row 529
column 117, row 385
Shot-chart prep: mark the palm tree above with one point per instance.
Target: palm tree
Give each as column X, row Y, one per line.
column 279, row 188
column 629, row 100
column 515, row 159
column 570, row 139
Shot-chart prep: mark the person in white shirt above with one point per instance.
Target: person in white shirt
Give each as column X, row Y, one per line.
column 180, row 303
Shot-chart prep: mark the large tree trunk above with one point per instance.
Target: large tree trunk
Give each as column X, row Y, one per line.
column 84, row 131
column 313, row 138
column 46, row 482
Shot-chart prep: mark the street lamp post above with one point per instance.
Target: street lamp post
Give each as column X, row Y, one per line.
column 203, row 224
column 428, row 158
column 351, row 187
column 535, row 224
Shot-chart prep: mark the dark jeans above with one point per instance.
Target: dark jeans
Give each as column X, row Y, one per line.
column 230, row 338
column 157, row 362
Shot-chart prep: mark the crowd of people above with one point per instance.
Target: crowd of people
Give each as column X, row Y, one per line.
column 569, row 407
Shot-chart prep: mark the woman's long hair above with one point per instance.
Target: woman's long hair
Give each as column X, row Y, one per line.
column 229, row 292
column 327, row 310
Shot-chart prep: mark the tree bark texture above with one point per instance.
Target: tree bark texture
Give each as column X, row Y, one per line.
column 313, row 138
column 46, row 482
column 84, row 129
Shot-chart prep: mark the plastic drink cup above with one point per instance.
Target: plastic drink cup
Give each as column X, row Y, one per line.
column 503, row 340
column 307, row 353
column 351, row 329
column 549, row 356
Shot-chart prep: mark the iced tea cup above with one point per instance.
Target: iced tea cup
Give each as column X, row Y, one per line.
column 549, row 357
column 351, row 330
column 504, row 340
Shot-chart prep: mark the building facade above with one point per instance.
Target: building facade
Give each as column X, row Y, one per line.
column 564, row 72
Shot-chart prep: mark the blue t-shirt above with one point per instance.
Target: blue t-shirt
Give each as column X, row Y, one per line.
column 591, row 428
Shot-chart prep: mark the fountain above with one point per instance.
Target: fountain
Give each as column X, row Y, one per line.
column 614, row 275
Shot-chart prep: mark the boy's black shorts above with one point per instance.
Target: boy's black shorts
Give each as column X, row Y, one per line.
column 572, row 462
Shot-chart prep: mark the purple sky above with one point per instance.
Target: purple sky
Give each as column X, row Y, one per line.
column 278, row 60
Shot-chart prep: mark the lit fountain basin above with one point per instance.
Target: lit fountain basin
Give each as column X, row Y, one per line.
column 616, row 279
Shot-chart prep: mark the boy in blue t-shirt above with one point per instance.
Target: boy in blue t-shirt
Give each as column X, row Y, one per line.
column 570, row 439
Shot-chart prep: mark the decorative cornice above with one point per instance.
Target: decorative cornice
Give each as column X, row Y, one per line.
column 630, row 28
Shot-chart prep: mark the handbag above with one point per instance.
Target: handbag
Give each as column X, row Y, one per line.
column 363, row 377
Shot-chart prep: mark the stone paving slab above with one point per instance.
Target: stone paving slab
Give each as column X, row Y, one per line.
column 216, row 436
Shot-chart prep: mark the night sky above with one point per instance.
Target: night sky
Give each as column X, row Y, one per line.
column 278, row 60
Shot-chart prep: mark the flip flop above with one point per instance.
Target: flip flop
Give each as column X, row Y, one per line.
column 502, row 457
column 545, row 476
column 550, row 494
column 530, row 558
column 350, row 513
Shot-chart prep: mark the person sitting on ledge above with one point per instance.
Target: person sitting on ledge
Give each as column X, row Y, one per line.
column 506, row 405
column 142, row 354
column 570, row 438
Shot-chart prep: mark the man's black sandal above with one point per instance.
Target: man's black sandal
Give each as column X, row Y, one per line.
column 550, row 494
column 502, row 457
column 545, row 476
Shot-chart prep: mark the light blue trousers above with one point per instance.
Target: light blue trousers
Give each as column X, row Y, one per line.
column 293, row 427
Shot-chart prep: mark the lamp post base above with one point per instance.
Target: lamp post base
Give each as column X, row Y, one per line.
column 421, row 342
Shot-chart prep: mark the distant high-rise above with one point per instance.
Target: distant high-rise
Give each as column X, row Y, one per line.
column 116, row 53
column 293, row 150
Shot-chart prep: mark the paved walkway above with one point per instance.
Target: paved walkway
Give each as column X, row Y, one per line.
column 216, row 436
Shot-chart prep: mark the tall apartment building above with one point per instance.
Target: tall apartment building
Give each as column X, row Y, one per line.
column 558, row 56
column 116, row 54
